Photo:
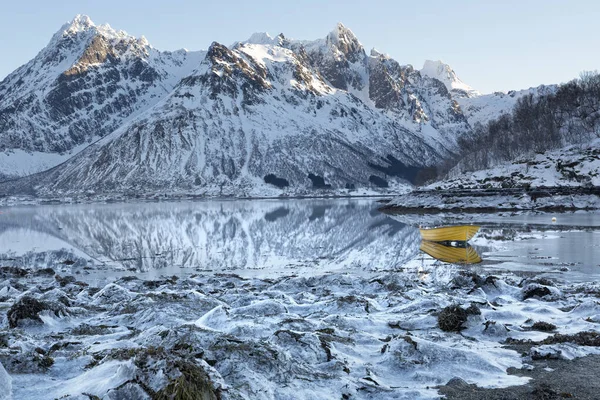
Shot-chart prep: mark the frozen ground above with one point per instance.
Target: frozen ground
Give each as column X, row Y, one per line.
column 326, row 336
column 292, row 323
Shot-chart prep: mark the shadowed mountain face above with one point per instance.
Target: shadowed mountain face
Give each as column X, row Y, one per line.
column 279, row 235
column 220, row 121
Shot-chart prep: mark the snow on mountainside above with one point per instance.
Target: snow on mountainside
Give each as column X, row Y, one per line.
column 83, row 85
column 477, row 107
column 244, row 114
column 266, row 116
column 484, row 108
column 446, row 75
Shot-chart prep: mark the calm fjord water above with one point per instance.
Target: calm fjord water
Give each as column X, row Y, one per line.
column 274, row 237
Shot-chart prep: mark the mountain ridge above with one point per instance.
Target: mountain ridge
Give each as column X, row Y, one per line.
column 220, row 121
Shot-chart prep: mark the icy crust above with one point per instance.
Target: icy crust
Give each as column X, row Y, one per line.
column 5, row 384
column 367, row 336
column 499, row 200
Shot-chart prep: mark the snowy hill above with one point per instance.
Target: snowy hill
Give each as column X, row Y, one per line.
column 486, row 107
column 573, row 166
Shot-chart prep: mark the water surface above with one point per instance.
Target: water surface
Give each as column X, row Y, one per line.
column 273, row 237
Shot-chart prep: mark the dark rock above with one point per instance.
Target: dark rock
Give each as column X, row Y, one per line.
column 535, row 291
column 318, row 182
column 473, row 309
column 586, row 338
column 45, row 271
column 26, row 308
column 452, row 318
column 64, row 281
column 377, row 181
column 544, row 392
column 458, row 383
column 543, row 326
column 274, row 180
column 13, row 272
column 394, row 167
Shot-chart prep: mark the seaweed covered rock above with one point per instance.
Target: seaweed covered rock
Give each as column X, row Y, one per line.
column 543, row 326
column 193, row 383
column 26, row 308
column 12, row 272
column 534, row 290
column 452, row 318
column 27, row 362
column 586, row 338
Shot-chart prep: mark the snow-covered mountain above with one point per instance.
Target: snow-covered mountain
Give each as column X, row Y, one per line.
column 84, row 84
column 261, row 117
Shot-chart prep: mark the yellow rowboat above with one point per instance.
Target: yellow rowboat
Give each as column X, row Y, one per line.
column 450, row 254
column 459, row 233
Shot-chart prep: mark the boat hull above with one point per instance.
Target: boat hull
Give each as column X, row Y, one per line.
column 459, row 233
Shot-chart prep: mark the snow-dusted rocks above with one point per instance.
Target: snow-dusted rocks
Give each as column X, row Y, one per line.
column 367, row 335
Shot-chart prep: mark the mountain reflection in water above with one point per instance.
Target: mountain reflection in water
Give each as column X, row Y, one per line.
column 211, row 235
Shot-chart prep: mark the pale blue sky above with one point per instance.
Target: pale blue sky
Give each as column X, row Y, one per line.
column 492, row 45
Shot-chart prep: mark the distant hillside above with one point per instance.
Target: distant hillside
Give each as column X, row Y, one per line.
column 568, row 115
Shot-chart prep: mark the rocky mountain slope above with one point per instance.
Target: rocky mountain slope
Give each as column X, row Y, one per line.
column 84, row 84
column 266, row 116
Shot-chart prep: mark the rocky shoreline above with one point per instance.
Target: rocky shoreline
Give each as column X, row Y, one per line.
column 375, row 335
column 551, row 379
column 494, row 200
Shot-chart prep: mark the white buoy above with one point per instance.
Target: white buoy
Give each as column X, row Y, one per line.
column 553, row 219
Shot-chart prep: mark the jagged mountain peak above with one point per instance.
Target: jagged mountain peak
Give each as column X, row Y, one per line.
column 444, row 73
column 230, row 113
column 341, row 34
column 263, row 38
column 79, row 23
column 83, row 24
column 260, row 38
column 346, row 43
column 376, row 53
column 81, row 86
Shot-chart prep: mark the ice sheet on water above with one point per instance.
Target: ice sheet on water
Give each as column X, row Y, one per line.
column 5, row 384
